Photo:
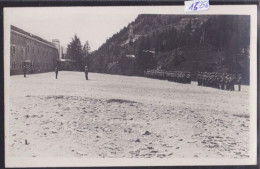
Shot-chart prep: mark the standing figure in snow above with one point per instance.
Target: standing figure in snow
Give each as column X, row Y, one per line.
column 24, row 71
column 86, row 72
column 56, row 71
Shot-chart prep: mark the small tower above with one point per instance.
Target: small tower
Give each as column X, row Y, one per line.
column 56, row 42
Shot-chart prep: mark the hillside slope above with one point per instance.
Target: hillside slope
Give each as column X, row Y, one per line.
column 177, row 42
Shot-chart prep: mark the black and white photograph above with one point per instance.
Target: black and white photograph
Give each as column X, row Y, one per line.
column 127, row 86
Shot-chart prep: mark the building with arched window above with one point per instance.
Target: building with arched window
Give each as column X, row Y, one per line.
column 37, row 54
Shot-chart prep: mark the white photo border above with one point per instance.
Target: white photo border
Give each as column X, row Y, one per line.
column 89, row 162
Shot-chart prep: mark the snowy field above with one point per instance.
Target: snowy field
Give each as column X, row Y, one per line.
column 116, row 116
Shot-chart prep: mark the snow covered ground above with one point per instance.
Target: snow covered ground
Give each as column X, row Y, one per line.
column 116, row 116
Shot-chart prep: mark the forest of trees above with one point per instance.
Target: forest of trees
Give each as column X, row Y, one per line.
column 77, row 53
column 177, row 42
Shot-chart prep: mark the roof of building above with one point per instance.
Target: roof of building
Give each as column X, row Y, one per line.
column 65, row 60
column 149, row 51
column 31, row 35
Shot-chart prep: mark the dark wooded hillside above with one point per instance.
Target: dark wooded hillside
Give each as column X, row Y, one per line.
column 177, row 42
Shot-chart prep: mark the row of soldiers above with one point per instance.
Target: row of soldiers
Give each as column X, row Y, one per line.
column 175, row 76
column 217, row 80
column 222, row 81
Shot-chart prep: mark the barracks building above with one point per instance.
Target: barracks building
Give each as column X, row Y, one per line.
column 37, row 54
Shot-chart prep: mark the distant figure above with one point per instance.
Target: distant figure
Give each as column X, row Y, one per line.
column 239, row 80
column 24, row 71
column 56, row 71
column 232, row 84
column 86, row 72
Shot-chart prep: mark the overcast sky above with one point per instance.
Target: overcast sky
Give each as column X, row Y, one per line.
column 92, row 24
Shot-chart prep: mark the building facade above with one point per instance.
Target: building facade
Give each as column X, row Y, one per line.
column 67, row 64
column 33, row 52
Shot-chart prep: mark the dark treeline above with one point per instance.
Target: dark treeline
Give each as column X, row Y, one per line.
column 177, row 43
column 78, row 53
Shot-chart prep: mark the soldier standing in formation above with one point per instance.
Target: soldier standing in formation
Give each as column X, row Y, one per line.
column 86, row 72
column 24, row 71
column 56, row 71
column 239, row 80
column 222, row 82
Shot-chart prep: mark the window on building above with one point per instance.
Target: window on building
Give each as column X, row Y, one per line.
column 21, row 51
column 12, row 49
column 27, row 48
column 14, row 65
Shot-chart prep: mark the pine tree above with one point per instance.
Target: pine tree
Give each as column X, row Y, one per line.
column 74, row 52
